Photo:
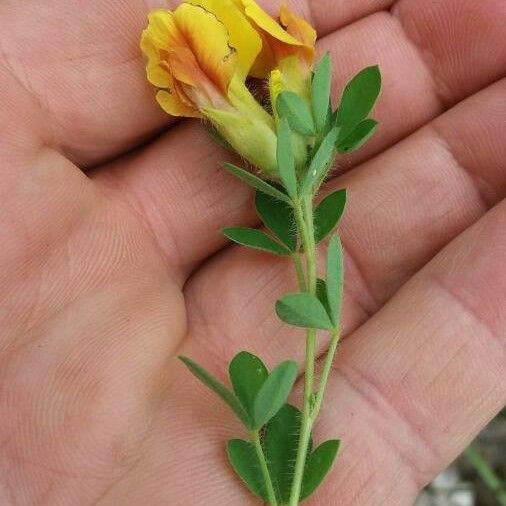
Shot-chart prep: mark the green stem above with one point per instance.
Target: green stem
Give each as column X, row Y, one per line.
column 334, row 341
column 255, row 437
column 304, row 218
column 300, row 272
column 310, row 244
column 487, row 474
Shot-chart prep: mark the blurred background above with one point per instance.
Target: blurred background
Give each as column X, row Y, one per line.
column 476, row 478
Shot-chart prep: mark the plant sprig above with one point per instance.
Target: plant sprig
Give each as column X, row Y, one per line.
column 278, row 463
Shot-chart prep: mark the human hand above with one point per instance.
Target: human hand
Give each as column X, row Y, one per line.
column 112, row 262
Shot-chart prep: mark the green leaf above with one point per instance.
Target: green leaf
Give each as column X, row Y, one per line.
column 321, row 163
column 330, row 121
column 303, row 310
column 255, row 181
column 286, row 161
column 274, row 392
column 247, row 375
column 320, row 91
column 321, row 294
column 328, row 213
column 243, row 458
column 216, row 386
column 358, row 136
column 256, row 239
column 318, row 465
column 278, row 217
column 358, row 99
column 335, row 279
column 296, row 111
column 280, row 442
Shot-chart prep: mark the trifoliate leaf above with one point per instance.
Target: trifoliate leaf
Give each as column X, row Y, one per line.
column 303, row 310
column 328, row 213
column 216, row 386
column 358, row 136
column 280, row 442
column 292, row 107
column 286, row 161
column 256, row 239
column 274, row 392
column 320, row 92
column 330, row 121
column 320, row 163
column 321, row 294
column 278, row 217
column 247, row 374
column 358, row 99
column 255, row 181
column 244, row 460
column 318, row 465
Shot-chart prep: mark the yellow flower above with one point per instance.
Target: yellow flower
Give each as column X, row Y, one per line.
column 200, row 55
column 191, row 57
column 292, row 37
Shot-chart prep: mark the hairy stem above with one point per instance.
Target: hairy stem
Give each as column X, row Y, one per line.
column 255, row 437
column 304, row 218
column 301, row 278
column 309, row 244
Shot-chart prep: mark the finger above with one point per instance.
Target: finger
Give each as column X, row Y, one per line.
column 180, row 188
column 81, row 67
column 424, row 57
column 409, row 390
column 328, row 15
column 88, row 318
column 344, row 12
column 160, row 180
column 411, row 200
column 414, row 385
column 472, row 24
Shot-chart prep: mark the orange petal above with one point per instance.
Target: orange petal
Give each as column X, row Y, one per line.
column 298, row 27
column 160, row 33
column 243, row 37
column 266, row 60
column 208, row 40
column 156, row 39
column 267, row 23
column 183, row 97
column 184, row 67
column 171, row 103
column 279, row 43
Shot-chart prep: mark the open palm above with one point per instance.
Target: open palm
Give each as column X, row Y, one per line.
column 111, row 261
